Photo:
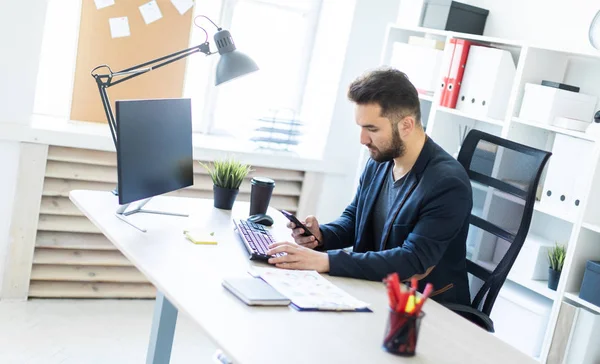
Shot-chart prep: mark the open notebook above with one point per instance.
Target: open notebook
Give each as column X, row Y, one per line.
column 309, row 291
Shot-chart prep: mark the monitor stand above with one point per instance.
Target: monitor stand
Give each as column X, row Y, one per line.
column 124, row 211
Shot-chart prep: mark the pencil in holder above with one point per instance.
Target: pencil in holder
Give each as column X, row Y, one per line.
column 402, row 332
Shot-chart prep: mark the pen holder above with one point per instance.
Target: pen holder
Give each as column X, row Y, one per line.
column 401, row 333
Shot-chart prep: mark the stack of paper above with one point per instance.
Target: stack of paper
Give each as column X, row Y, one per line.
column 308, row 290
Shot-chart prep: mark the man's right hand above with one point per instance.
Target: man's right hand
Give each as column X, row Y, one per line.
column 310, row 242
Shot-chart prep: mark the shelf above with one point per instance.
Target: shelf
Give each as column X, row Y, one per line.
column 498, row 193
column 575, row 298
column 486, row 264
column 479, row 186
column 573, row 133
column 539, row 287
column 509, row 197
column 426, row 97
column 538, row 207
column 591, row 227
column 473, row 117
column 438, row 32
column 446, row 33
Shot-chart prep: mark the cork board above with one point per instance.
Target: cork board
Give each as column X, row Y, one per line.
column 169, row 34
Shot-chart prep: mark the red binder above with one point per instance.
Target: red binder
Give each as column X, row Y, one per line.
column 459, row 51
column 446, row 63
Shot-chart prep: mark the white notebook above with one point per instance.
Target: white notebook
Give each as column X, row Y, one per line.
column 308, row 290
column 255, row 292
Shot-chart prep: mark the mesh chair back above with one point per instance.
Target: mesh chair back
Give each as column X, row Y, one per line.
column 505, row 177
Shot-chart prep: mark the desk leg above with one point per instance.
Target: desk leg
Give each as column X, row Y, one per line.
column 162, row 332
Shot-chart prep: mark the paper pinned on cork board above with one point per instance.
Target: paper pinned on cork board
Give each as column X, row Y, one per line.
column 183, row 6
column 101, row 4
column 119, row 27
column 150, row 12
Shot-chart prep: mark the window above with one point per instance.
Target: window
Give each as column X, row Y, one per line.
column 299, row 46
column 279, row 36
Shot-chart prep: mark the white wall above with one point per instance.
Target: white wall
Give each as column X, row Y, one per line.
column 21, row 29
column 343, row 148
column 9, row 162
column 547, row 23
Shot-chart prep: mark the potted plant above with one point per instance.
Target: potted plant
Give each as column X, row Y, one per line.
column 227, row 176
column 556, row 257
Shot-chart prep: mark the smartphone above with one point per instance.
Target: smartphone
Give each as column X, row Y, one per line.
column 297, row 222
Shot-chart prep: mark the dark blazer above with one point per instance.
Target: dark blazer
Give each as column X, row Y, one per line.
column 427, row 227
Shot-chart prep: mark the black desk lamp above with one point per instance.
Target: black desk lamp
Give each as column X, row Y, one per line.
column 232, row 64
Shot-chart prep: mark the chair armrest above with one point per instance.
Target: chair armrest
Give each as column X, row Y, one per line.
column 477, row 317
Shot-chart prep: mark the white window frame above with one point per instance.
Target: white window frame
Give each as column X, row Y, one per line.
column 207, row 124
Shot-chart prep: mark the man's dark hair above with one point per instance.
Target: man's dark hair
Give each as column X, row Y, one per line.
column 390, row 89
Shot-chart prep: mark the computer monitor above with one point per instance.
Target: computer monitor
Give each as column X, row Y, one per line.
column 154, row 147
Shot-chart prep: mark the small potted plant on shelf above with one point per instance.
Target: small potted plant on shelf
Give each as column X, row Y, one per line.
column 227, row 175
column 556, row 257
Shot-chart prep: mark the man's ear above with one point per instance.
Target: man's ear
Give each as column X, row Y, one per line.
column 407, row 125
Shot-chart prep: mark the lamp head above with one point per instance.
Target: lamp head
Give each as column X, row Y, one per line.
column 232, row 63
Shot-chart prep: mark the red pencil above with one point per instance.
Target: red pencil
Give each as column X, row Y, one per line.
column 391, row 294
column 395, row 283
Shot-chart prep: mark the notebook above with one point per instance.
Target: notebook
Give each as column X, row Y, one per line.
column 309, row 291
column 255, row 292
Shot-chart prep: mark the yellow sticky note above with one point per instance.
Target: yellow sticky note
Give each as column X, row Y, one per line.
column 201, row 237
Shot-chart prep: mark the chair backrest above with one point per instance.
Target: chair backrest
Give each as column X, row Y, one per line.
column 505, row 177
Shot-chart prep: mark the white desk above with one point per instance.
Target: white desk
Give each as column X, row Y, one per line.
column 188, row 278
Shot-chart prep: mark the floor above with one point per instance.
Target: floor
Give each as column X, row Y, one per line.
column 90, row 331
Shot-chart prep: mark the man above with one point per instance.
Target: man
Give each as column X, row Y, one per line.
column 410, row 214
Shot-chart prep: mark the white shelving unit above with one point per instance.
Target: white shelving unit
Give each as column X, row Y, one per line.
column 557, row 214
column 591, row 227
column 540, row 287
column 575, row 298
column 580, row 231
column 426, row 97
column 573, row 133
column 473, row 117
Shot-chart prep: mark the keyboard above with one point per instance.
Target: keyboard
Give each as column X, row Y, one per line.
column 256, row 239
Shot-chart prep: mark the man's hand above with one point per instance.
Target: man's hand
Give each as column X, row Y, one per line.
column 298, row 257
column 307, row 241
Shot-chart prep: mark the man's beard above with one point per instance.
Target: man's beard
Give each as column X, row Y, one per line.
column 396, row 149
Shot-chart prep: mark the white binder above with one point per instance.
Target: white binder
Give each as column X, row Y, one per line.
column 487, row 82
column 421, row 64
column 566, row 177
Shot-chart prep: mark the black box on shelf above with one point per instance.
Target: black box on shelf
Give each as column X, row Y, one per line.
column 453, row 16
column 466, row 18
column 591, row 282
column 562, row 86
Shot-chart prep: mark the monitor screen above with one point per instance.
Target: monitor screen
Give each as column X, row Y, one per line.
column 154, row 147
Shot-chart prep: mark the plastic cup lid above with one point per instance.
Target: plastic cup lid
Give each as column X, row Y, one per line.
column 262, row 181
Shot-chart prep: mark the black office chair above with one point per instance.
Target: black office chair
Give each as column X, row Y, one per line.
column 505, row 176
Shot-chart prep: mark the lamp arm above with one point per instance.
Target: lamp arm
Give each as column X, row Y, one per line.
column 106, row 80
column 108, row 110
